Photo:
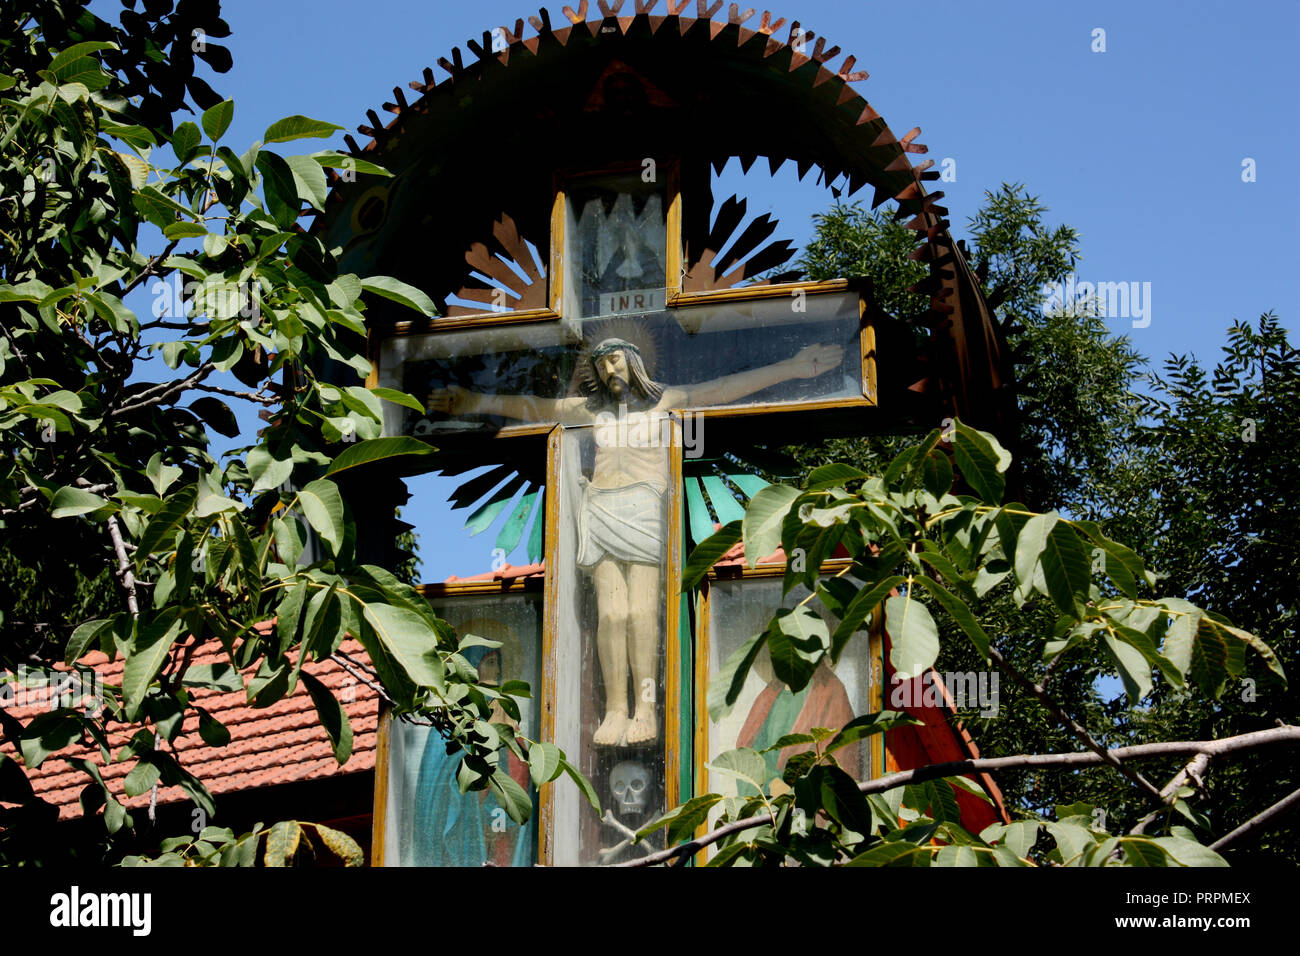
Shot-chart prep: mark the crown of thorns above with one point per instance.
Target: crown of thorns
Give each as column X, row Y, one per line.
column 613, row 345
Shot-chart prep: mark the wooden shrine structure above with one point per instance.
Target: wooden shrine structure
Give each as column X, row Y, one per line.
column 616, row 341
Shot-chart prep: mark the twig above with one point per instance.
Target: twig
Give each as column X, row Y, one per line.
column 356, row 663
column 1275, row 736
column 162, row 392
column 247, row 396
column 1069, row 723
column 1193, row 771
column 124, row 573
column 1258, row 821
column 338, row 657
column 149, row 268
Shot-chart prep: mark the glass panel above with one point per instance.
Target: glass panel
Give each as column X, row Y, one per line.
column 610, row 565
column 753, row 351
column 429, row 821
column 766, row 709
column 616, row 246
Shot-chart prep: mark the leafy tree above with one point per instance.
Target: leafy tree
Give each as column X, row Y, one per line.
column 1073, row 382
column 918, row 550
column 1206, row 485
column 1073, row 379
column 171, row 545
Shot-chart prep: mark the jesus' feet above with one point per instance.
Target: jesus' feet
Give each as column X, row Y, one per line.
column 643, row 726
column 611, row 730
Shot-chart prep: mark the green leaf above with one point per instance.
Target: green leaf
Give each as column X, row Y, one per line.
column 216, row 414
column 83, row 637
column 1133, row 667
column 219, row 676
column 841, row 799
column 323, row 506
column 297, row 127
column 863, row 603
column 582, row 783
column 282, row 843
column 399, row 292
column 333, row 717
column 341, row 845
column 309, row 180
column 266, row 471
column 149, row 649
column 185, row 140
column 165, row 522
column 1030, row 544
column 346, row 162
column 279, row 189
column 798, row 640
column 961, row 613
column 544, row 763
column 1020, row 837
column 1072, row 841
column 682, row 821
column 513, row 798
column 869, row 725
column 70, row 502
column 46, row 734
column 832, row 475
column 216, row 119
column 78, row 51
column 761, row 529
column 725, row 686
column 410, row 641
column 142, row 777
column 415, row 455
column 161, row 476
column 893, row 854
column 982, row 461
column 1066, row 569
column 184, row 230
column 744, row 764
column 707, row 553
column 213, row 732
column 914, row 638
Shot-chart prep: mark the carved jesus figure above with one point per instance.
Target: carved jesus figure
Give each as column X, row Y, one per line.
column 622, row 522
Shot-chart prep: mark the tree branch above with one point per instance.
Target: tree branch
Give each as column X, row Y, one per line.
column 338, row 658
column 162, row 392
column 1276, row 736
column 1070, row 724
column 1285, row 805
column 124, row 574
column 247, row 396
column 1193, row 771
column 149, row 268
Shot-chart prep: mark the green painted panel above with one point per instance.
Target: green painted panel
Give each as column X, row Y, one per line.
column 701, row 523
column 724, row 502
column 749, row 484
column 535, row 538
column 513, row 529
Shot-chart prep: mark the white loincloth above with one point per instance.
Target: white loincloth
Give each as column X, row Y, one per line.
column 627, row 524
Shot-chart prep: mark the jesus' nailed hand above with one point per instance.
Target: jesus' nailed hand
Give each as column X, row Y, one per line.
column 622, row 521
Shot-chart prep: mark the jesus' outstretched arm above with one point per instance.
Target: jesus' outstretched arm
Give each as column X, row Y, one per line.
column 809, row 362
column 455, row 400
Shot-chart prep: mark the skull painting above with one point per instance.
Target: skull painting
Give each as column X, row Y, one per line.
column 630, row 784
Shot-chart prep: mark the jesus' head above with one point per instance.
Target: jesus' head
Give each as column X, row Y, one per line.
column 617, row 369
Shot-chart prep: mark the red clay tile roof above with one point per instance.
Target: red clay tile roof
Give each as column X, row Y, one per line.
column 282, row 743
column 508, row 573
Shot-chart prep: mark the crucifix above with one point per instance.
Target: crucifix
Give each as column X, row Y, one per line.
column 622, row 370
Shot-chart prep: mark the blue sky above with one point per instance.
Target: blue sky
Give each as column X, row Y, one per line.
column 1140, row 147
